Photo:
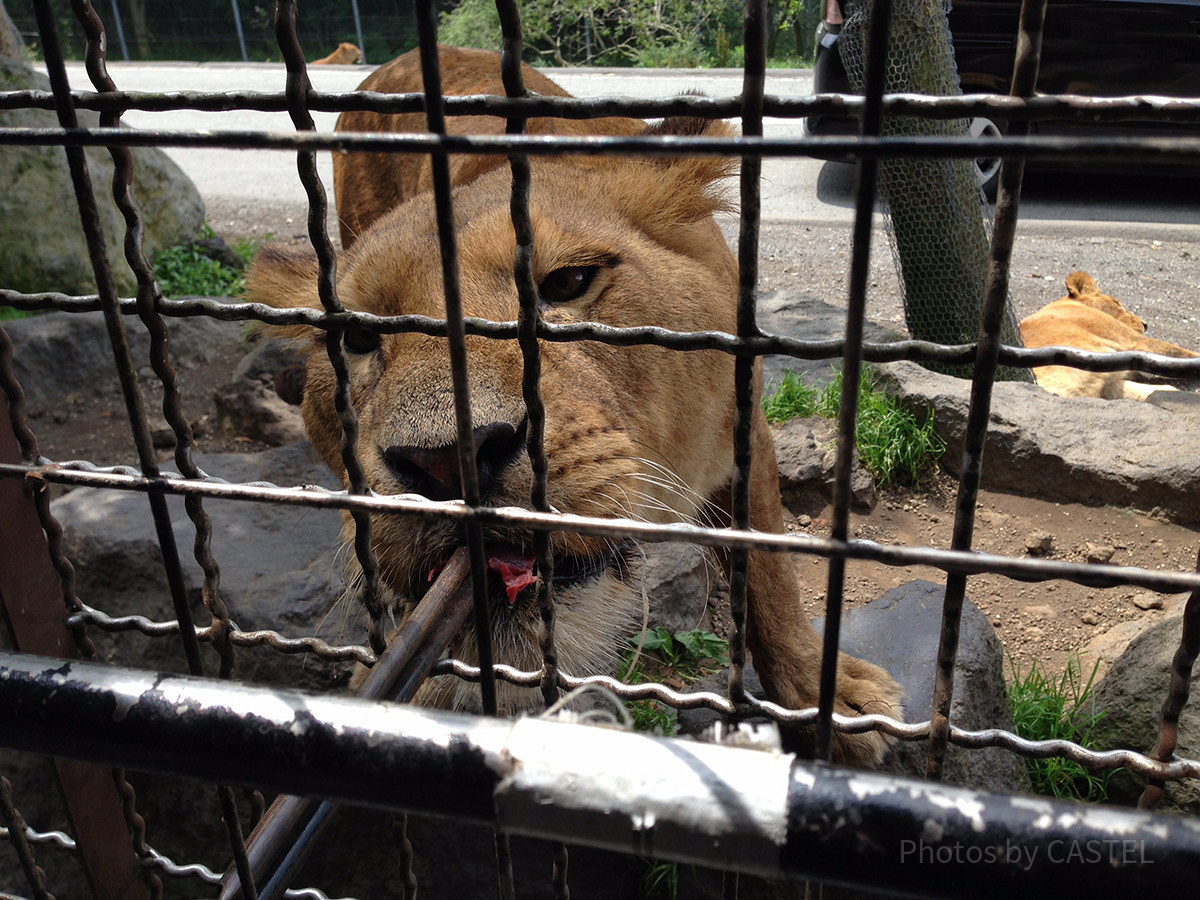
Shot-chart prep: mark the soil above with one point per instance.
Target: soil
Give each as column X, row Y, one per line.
column 1045, row 624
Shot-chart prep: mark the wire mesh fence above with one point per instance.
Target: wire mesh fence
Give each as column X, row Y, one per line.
column 758, row 813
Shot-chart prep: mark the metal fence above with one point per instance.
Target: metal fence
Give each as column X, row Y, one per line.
column 735, row 809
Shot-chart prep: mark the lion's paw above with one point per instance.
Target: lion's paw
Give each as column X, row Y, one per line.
column 864, row 689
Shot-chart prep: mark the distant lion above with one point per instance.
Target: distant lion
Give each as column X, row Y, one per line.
column 638, row 432
column 346, row 54
column 1089, row 320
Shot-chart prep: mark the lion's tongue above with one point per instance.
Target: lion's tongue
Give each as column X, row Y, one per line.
column 515, row 570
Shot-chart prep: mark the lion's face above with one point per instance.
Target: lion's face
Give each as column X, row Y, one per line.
column 640, row 432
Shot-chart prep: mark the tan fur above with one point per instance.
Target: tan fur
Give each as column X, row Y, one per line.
column 1089, row 320
column 640, row 432
column 346, row 54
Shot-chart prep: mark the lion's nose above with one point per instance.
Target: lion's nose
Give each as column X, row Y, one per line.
column 434, row 473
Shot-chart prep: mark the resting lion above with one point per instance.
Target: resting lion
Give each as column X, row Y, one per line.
column 1089, row 320
column 639, row 432
column 346, row 54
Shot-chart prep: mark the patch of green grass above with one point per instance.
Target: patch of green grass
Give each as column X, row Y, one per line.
column 7, row 313
column 674, row 659
column 1045, row 708
column 894, row 447
column 187, row 269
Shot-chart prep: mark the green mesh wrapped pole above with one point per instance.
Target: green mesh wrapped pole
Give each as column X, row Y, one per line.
column 937, row 219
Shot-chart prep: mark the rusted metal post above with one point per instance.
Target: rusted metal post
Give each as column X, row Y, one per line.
column 32, row 603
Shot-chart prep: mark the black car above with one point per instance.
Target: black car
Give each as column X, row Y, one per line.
column 1100, row 48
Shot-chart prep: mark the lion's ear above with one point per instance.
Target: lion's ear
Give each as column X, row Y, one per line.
column 286, row 278
column 1079, row 284
column 696, row 169
column 665, row 195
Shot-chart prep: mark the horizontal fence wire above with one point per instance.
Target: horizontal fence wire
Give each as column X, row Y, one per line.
column 747, row 345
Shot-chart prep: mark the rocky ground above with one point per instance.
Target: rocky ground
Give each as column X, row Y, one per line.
column 1046, row 623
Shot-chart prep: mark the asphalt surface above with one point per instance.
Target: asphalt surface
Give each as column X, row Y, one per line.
column 1138, row 233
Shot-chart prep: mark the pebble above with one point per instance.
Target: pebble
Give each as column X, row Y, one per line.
column 1038, row 542
column 1148, row 601
column 1099, row 553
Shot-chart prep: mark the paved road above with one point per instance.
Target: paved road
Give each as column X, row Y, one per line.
column 796, row 191
column 1139, row 236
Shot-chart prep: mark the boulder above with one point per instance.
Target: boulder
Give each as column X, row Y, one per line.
column 1077, row 450
column 899, row 631
column 42, row 247
column 1130, row 696
column 806, row 452
column 42, row 344
column 278, row 567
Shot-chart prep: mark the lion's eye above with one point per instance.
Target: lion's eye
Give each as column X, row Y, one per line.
column 361, row 340
column 566, row 284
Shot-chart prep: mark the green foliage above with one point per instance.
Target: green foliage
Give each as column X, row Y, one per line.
column 676, row 33
column 678, row 659
column 894, row 447
column 186, row 269
column 1046, row 709
column 661, row 880
column 7, row 313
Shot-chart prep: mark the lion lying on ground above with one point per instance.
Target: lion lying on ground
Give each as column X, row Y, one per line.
column 1089, row 320
column 639, row 432
column 346, row 54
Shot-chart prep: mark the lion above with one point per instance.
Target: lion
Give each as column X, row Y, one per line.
column 1089, row 320
column 639, row 432
column 346, row 54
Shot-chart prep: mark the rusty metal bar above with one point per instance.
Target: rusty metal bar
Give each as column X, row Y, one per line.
column 1177, row 695
column 1181, row 110
column 760, row 345
column 274, row 850
column 456, row 340
column 754, row 76
column 14, row 823
column 865, row 191
column 995, row 303
column 32, row 604
column 747, row 810
column 298, row 87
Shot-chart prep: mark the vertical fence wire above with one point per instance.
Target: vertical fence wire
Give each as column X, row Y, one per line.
column 297, row 90
column 860, row 261
column 753, row 85
column 11, row 818
column 1177, row 695
column 456, row 339
column 1025, row 71
column 27, row 443
column 115, row 326
column 528, row 320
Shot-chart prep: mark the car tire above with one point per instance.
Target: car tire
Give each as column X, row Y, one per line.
column 987, row 169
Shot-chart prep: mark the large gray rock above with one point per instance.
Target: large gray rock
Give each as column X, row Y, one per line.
column 55, row 356
column 1130, row 697
column 278, row 567
column 1077, row 450
column 900, row 632
column 806, row 453
column 42, row 247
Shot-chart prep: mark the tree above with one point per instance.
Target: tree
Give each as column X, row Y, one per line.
column 602, row 32
column 937, row 222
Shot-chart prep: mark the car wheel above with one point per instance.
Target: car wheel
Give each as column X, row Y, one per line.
column 987, row 168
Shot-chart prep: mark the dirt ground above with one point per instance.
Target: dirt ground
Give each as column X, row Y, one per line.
column 1042, row 623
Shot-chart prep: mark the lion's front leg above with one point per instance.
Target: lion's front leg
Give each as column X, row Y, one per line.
column 786, row 649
